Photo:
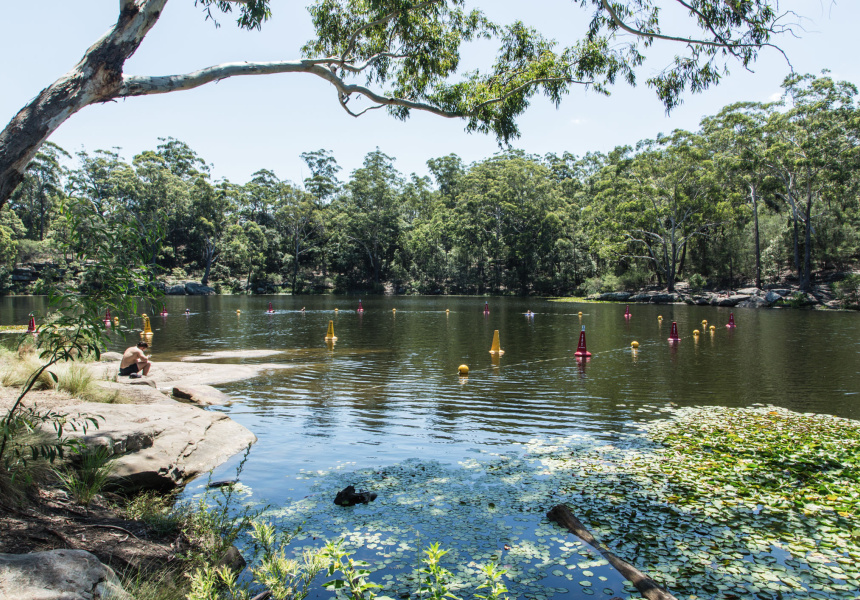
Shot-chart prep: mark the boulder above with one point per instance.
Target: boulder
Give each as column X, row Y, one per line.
column 750, row 291
column 111, row 356
column 161, row 446
column 701, row 300
column 732, row 300
column 201, row 394
column 772, row 296
column 192, row 288
column 176, row 290
column 616, row 296
column 58, row 575
column 753, row 302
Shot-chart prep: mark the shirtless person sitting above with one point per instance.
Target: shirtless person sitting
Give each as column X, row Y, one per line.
column 134, row 361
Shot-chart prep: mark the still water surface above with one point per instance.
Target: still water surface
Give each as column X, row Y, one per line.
column 388, row 389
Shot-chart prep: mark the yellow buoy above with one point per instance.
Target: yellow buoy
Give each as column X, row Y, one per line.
column 147, row 328
column 394, row 310
column 335, row 310
column 712, row 328
column 116, row 320
column 704, row 322
column 463, row 370
column 238, row 312
column 495, row 348
column 330, row 334
column 447, row 310
column 634, row 344
column 659, row 317
column 695, row 332
column 580, row 313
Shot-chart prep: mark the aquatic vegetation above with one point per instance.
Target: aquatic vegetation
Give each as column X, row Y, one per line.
column 710, row 502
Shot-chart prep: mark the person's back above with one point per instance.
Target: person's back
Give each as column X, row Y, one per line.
column 134, row 361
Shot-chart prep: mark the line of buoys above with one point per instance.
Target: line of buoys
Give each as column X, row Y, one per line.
column 627, row 314
column 360, row 307
column 581, row 349
column 731, row 322
column 329, row 337
column 271, row 310
column 673, row 335
column 495, row 349
column 31, row 326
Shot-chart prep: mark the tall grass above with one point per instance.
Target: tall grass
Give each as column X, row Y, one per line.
column 85, row 478
column 80, row 382
column 17, row 370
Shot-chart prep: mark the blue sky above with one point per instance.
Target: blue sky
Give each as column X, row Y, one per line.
column 244, row 124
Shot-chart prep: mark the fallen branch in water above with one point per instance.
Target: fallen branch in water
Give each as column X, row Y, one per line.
column 646, row 586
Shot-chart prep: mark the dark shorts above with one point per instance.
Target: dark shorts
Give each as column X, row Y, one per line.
column 132, row 368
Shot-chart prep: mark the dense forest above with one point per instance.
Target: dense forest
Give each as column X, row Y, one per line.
column 760, row 193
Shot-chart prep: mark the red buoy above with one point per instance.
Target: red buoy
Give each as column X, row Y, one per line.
column 731, row 322
column 271, row 310
column 360, row 307
column 107, row 318
column 673, row 337
column 164, row 311
column 486, row 308
column 627, row 314
column 31, row 327
column 581, row 349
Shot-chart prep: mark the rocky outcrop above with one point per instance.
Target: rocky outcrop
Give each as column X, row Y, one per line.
column 58, row 575
column 201, row 394
column 176, row 290
column 161, row 446
column 192, row 288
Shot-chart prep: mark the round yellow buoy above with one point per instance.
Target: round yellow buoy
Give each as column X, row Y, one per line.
column 580, row 313
column 238, row 312
column 329, row 336
column 659, row 317
column 394, row 310
column 335, row 310
column 712, row 328
column 447, row 310
column 695, row 332
column 634, row 344
column 463, row 370
column 704, row 321
column 116, row 320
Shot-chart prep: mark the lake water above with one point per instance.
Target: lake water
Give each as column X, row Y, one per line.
column 388, row 390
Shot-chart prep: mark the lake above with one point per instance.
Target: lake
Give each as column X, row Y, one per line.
column 387, row 394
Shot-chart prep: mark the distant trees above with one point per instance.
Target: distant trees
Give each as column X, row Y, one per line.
column 761, row 193
column 404, row 56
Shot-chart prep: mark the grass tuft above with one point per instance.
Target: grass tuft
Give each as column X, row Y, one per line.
column 87, row 477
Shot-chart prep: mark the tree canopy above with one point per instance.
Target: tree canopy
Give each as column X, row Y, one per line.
column 404, row 55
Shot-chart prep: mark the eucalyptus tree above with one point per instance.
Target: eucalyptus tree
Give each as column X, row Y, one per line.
column 34, row 199
column 659, row 200
column 404, row 56
column 211, row 208
column 368, row 215
column 298, row 216
column 324, row 185
column 737, row 135
column 11, row 230
column 813, row 151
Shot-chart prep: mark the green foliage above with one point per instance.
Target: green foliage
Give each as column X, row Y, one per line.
column 848, row 290
column 87, row 473
column 697, row 282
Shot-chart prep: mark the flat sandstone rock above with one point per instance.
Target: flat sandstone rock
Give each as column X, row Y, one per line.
column 161, row 446
column 201, row 394
column 58, row 575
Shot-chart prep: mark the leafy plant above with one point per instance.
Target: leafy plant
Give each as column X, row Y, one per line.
column 697, row 281
column 76, row 328
column 353, row 573
column 494, row 585
column 435, row 577
column 87, row 476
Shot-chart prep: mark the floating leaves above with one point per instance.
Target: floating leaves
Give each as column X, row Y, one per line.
column 710, row 502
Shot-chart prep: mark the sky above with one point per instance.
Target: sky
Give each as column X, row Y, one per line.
column 244, row 124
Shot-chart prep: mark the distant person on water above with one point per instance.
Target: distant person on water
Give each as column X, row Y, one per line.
column 134, row 361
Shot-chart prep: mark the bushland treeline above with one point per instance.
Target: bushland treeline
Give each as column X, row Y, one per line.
column 760, row 192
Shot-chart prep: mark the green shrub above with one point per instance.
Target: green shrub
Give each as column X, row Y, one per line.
column 87, row 476
column 697, row 282
column 848, row 290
